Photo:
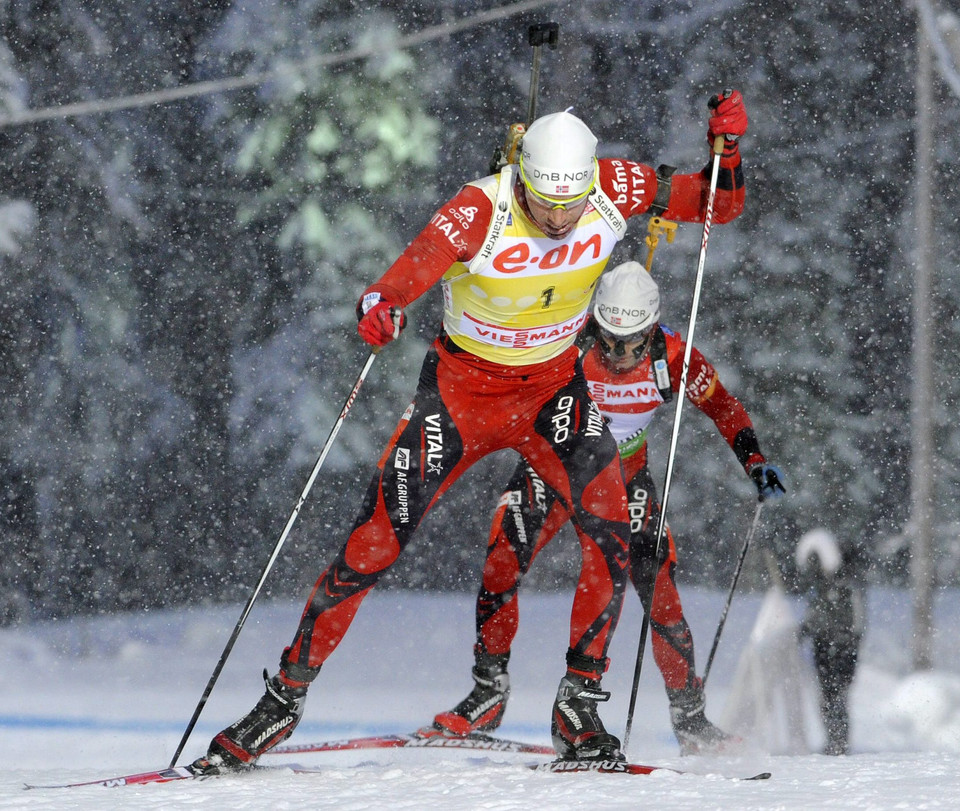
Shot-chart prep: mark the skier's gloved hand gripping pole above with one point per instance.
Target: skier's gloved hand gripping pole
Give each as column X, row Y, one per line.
column 387, row 330
column 718, row 130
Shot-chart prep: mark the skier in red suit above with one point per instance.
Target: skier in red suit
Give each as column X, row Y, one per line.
column 518, row 255
column 628, row 341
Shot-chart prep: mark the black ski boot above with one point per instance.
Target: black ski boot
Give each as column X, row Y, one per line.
column 695, row 733
column 271, row 721
column 483, row 709
column 576, row 728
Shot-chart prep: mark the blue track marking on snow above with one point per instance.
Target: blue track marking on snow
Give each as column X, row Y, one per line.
column 39, row 722
column 305, row 731
column 116, row 725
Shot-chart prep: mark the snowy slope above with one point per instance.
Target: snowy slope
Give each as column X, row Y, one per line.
column 92, row 698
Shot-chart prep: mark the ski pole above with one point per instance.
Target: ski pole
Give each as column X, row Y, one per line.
column 662, row 523
column 733, row 588
column 276, row 549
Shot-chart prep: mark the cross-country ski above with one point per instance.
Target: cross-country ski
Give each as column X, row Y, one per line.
column 430, row 738
column 427, row 738
column 621, row 767
column 568, row 767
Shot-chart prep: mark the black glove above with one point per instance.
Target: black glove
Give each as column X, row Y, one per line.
column 769, row 480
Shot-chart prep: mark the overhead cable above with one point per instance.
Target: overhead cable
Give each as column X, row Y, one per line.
column 149, row 99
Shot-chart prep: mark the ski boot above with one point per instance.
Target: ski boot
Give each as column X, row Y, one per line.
column 482, row 710
column 694, row 731
column 576, row 728
column 271, row 721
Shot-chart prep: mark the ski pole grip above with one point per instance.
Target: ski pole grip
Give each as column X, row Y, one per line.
column 395, row 315
column 715, row 100
column 713, row 104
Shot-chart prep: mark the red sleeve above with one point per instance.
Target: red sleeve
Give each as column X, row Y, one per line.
column 633, row 187
column 707, row 393
column 689, row 193
column 726, row 411
column 454, row 234
column 630, row 186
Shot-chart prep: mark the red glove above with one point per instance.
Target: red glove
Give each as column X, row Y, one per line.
column 728, row 118
column 380, row 322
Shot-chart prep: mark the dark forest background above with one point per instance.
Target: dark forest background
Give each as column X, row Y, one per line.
column 177, row 329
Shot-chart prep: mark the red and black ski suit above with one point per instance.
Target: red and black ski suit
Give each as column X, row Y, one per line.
column 529, row 513
column 504, row 373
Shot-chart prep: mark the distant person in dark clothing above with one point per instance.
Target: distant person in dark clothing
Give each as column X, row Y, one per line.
column 834, row 623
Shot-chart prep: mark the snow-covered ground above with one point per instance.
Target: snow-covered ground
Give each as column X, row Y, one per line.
column 93, row 698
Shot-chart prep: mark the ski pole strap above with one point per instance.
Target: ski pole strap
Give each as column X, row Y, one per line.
column 498, row 222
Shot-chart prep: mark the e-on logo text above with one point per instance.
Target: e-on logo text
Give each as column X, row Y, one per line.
column 518, row 258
